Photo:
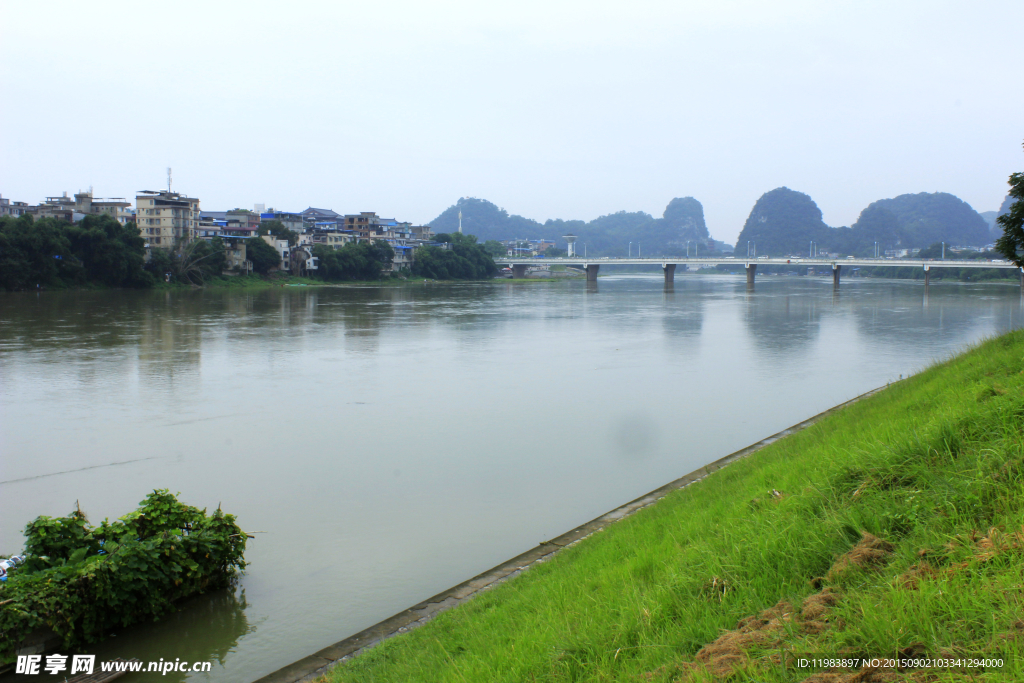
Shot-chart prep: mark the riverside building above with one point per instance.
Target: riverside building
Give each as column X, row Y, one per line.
column 165, row 217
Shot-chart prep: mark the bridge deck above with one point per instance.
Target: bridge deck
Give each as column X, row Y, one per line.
column 810, row 262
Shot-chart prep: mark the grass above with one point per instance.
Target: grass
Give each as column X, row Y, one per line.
column 931, row 468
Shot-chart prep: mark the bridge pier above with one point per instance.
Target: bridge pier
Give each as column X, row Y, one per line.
column 751, row 272
column 592, row 269
column 1022, row 279
column 670, row 271
column 835, row 274
column 927, row 275
column 518, row 271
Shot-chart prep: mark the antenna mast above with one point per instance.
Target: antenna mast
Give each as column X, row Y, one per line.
column 168, row 178
column 460, row 222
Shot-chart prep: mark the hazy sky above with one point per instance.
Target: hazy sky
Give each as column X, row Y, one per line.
column 549, row 109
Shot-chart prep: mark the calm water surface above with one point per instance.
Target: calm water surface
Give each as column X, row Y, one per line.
column 395, row 441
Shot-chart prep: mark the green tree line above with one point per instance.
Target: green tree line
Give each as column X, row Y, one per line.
column 354, row 261
column 54, row 253
column 464, row 259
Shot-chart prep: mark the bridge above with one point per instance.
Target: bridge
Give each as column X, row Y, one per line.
column 520, row 265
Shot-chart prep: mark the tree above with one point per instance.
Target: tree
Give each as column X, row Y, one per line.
column 1011, row 243
column 111, row 253
column 362, row 261
column 54, row 253
column 495, row 248
column 263, row 256
column 554, row 252
column 36, row 253
column 161, row 262
column 198, row 260
column 464, row 260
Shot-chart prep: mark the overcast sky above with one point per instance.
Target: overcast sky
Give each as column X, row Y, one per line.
column 549, row 109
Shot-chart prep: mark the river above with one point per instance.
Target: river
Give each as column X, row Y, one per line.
column 395, row 441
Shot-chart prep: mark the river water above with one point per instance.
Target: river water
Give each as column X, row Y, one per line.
column 395, row 441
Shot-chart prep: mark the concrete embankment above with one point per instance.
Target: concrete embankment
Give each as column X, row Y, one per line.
column 318, row 663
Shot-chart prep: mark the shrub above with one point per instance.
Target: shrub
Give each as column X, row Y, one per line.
column 81, row 581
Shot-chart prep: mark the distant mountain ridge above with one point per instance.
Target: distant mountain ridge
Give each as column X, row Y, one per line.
column 785, row 222
column 781, row 222
column 995, row 230
column 614, row 234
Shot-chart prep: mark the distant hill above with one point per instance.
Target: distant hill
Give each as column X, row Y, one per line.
column 927, row 218
column 995, row 232
column 485, row 220
column 610, row 235
column 784, row 221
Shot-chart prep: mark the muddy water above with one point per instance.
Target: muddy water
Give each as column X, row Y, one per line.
column 394, row 441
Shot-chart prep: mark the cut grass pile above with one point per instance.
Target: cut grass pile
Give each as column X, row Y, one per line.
column 892, row 527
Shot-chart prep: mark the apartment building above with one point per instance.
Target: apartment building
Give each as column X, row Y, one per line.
column 13, row 209
column 62, row 208
column 421, row 232
column 234, row 254
column 292, row 221
column 166, row 217
column 117, row 207
column 83, row 204
column 328, row 237
column 364, row 225
column 236, row 223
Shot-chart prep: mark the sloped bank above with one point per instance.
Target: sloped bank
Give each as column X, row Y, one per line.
column 318, row 663
column 895, row 523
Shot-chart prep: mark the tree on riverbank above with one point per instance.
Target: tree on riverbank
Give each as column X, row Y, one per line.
column 262, row 255
column 464, row 259
column 362, row 261
column 1011, row 243
column 54, row 253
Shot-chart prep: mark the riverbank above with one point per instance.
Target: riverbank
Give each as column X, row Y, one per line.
column 890, row 527
column 265, row 282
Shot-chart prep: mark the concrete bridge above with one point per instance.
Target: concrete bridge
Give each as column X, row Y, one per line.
column 592, row 266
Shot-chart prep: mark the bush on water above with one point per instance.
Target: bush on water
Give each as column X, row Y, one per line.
column 81, row 581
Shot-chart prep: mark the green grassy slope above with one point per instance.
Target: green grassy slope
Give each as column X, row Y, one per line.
column 932, row 466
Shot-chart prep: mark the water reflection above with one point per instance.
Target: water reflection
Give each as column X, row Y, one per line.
column 784, row 322
column 394, row 441
column 206, row 628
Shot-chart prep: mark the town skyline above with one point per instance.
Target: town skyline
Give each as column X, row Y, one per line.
column 566, row 111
